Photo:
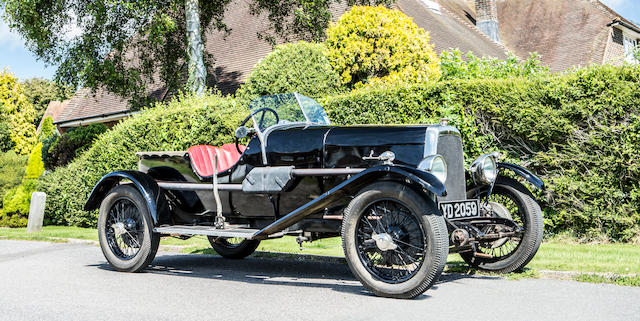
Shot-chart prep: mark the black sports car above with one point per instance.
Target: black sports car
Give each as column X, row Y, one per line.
column 399, row 196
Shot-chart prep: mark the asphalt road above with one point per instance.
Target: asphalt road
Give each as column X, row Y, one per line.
column 44, row 281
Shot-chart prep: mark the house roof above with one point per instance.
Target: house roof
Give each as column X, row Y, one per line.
column 566, row 33
column 236, row 53
column 54, row 110
column 85, row 104
column 449, row 31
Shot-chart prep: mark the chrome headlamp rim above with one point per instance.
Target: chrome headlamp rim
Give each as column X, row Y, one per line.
column 429, row 163
column 484, row 170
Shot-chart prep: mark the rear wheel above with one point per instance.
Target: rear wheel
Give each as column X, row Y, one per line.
column 394, row 240
column 510, row 200
column 125, row 230
column 233, row 247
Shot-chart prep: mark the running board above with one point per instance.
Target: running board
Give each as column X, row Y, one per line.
column 206, row 230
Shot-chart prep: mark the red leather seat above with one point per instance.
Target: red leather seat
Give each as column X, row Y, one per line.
column 201, row 157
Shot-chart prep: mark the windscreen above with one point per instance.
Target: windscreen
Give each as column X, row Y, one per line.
column 287, row 108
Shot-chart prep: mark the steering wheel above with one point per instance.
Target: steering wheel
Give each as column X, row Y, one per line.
column 264, row 110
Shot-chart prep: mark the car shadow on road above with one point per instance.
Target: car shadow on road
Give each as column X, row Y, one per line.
column 258, row 270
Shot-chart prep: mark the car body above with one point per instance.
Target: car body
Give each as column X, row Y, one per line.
column 301, row 175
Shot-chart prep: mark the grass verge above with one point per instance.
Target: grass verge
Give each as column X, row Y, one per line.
column 620, row 263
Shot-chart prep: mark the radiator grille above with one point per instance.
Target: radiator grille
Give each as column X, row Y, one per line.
column 450, row 147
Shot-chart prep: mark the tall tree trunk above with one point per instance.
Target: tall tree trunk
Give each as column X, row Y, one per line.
column 195, row 51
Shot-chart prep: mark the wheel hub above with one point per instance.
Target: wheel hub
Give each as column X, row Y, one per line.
column 384, row 241
column 119, row 228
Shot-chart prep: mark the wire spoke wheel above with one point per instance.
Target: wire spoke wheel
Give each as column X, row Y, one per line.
column 394, row 241
column 124, row 229
column 510, row 201
column 504, row 205
column 390, row 240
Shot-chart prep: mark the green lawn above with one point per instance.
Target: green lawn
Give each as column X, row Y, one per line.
column 556, row 255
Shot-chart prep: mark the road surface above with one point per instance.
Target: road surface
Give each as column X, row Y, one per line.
column 46, row 281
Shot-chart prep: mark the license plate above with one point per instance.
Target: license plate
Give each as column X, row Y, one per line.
column 455, row 210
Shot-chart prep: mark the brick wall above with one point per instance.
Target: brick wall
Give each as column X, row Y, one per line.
column 615, row 48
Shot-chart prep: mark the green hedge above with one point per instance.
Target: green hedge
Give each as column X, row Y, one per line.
column 579, row 131
column 185, row 121
column 62, row 149
column 15, row 203
column 12, row 168
column 300, row 67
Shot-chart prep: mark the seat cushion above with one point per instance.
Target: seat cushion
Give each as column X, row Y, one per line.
column 201, row 157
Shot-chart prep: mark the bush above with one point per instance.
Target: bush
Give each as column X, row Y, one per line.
column 380, row 45
column 295, row 67
column 579, row 131
column 47, row 129
column 185, row 121
column 454, row 67
column 12, row 167
column 15, row 210
column 65, row 148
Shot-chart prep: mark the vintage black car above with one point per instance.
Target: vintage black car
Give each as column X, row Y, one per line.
column 399, row 196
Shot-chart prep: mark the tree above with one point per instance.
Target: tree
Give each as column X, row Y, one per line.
column 18, row 114
column 376, row 44
column 39, row 92
column 122, row 46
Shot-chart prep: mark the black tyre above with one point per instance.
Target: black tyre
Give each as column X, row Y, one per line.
column 233, row 248
column 125, row 230
column 511, row 200
column 394, row 240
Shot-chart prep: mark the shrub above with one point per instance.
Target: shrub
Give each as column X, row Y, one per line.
column 454, row 67
column 12, row 167
column 579, row 131
column 376, row 44
column 185, row 121
column 47, row 143
column 19, row 114
column 300, row 67
column 47, row 129
column 15, row 210
column 65, row 148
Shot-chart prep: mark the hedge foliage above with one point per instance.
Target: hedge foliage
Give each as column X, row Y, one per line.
column 12, row 168
column 15, row 203
column 183, row 122
column 579, row 131
column 294, row 67
column 64, row 148
column 47, row 129
column 380, row 45
column 453, row 66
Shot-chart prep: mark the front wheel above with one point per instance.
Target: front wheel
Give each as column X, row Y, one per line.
column 394, row 240
column 125, row 230
column 509, row 200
